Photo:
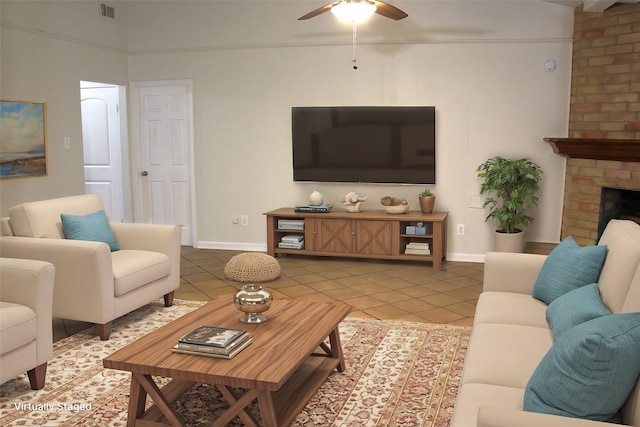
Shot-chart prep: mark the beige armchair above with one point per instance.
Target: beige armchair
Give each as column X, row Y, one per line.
column 26, row 341
column 92, row 283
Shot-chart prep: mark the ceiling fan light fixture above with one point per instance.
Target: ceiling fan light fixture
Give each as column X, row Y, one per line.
column 353, row 11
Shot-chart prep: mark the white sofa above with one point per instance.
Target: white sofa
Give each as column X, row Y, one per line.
column 26, row 297
column 94, row 284
column 511, row 335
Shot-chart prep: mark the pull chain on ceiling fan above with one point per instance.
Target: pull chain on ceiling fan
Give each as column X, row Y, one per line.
column 356, row 11
column 355, row 63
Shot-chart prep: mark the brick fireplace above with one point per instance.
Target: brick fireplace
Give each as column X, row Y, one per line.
column 594, row 165
column 603, row 147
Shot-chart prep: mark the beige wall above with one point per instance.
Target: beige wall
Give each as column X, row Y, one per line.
column 479, row 63
column 46, row 49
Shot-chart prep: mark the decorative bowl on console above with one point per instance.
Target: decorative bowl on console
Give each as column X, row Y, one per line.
column 399, row 209
column 394, row 205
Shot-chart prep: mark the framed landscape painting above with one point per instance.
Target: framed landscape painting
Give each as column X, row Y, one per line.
column 23, row 139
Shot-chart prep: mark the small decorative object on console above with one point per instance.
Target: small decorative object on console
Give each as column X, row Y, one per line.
column 316, row 198
column 426, row 199
column 394, row 205
column 253, row 300
column 353, row 202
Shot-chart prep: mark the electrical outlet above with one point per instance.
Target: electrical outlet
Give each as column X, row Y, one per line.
column 460, row 230
column 234, row 220
column 244, row 219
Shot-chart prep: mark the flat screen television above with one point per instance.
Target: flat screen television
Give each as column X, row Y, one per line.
column 393, row 145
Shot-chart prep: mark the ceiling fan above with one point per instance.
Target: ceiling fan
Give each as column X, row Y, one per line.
column 355, row 11
column 368, row 8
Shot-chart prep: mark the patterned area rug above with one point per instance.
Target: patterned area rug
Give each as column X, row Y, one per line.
column 398, row 374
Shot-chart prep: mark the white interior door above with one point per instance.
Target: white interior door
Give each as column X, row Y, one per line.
column 102, row 146
column 162, row 140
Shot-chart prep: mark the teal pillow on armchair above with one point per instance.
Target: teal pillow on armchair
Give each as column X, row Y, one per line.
column 93, row 227
column 568, row 266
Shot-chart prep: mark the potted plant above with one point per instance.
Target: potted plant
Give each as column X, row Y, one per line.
column 427, row 199
column 512, row 187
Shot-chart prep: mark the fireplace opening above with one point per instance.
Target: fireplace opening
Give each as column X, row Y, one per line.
column 617, row 203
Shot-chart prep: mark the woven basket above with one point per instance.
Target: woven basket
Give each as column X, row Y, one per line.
column 252, row 267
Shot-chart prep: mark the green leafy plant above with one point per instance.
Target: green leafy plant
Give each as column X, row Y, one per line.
column 426, row 193
column 512, row 186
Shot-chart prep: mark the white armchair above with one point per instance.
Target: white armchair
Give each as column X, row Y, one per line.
column 26, row 339
column 92, row 283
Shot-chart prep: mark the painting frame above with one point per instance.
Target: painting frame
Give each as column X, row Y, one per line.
column 23, row 139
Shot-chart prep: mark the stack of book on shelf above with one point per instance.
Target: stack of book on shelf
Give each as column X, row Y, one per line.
column 292, row 241
column 213, row 341
column 417, row 248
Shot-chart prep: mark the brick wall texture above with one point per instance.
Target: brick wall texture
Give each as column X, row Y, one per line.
column 605, row 75
column 605, row 104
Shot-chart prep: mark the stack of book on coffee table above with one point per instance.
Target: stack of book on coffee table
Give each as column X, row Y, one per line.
column 213, row 341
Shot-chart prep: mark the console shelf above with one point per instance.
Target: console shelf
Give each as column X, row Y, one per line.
column 368, row 234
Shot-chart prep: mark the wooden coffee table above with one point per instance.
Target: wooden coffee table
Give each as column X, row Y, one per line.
column 285, row 364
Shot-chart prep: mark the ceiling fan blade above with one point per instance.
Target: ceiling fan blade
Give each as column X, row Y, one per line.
column 388, row 11
column 318, row 11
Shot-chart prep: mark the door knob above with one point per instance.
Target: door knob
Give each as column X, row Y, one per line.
column 144, row 173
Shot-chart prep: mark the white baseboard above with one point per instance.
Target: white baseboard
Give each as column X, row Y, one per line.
column 262, row 247
column 233, row 246
column 477, row 258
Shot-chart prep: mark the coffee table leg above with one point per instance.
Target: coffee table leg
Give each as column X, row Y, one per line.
column 162, row 403
column 238, row 406
column 336, row 348
column 267, row 410
column 137, row 400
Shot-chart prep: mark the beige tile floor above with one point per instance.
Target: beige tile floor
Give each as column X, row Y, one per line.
column 392, row 290
column 381, row 289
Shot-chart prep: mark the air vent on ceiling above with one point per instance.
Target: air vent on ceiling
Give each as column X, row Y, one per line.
column 107, row 11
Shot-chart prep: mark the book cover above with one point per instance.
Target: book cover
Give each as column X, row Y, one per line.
column 237, row 350
column 211, row 349
column 292, row 238
column 212, row 336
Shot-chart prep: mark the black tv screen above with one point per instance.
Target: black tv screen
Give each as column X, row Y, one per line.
column 394, row 145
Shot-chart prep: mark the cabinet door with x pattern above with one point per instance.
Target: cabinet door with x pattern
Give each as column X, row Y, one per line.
column 376, row 237
column 331, row 235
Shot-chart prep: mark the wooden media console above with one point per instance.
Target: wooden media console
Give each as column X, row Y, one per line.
column 368, row 234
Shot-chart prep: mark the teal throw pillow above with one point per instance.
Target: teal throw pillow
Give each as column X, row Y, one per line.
column 93, row 227
column 568, row 267
column 589, row 371
column 575, row 307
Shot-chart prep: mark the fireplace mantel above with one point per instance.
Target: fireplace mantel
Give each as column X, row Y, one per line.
column 624, row 150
